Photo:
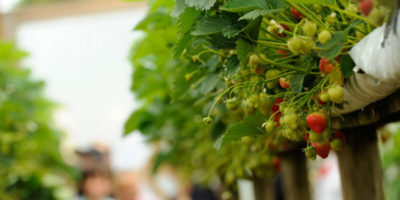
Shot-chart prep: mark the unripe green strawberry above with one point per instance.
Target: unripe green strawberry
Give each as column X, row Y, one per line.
column 207, row 120
column 307, row 45
column 254, row 60
column 376, row 17
column 232, row 104
column 316, row 137
column 324, row 37
column 195, row 58
column 309, row 28
column 188, row 77
column 336, row 93
column 360, row 35
column 253, row 101
column 295, row 45
column 310, row 152
column 331, row 19
column 324, row 97
column 352, row 8
column 272, row 73
column 269, row 126
column 336, row 144
column 291, row 120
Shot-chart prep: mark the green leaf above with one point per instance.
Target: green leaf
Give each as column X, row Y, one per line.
column 297, row 82
column 253, row 28
column 346, row 65
column 161, row 158
column 181, row 45
column 334, row 46
column 185, row 24
column 243, row 50
column 209, row 83
column 250, row 126
column 200, row 4
column 212, row 24
column 178, row 8
column 243, row 6
column 232, row 65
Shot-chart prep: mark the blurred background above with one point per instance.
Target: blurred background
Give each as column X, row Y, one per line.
column 80, row 49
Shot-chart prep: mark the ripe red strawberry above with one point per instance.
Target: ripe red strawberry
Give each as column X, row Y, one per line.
column 316, row 122
column 285, row 26
column 322, row 65
column 307, row 136
column 283, row 52
column 276, row 163
column 322, row 149
column 296, row 14
column 329, row 68
column 274, row 109
column 366, row 6
column 284, row 83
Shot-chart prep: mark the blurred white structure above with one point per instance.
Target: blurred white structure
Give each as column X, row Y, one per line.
column 84, row 61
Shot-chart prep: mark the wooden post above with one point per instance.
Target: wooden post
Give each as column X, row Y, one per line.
column 294, row 172
column 264, row 188
column 360, row 166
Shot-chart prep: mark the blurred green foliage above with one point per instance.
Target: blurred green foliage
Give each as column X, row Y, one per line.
column 391, row 163
column 174, row 101
column 29, row 144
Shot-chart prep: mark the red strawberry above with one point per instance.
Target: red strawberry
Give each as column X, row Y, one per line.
column 283, row 52
column 366, row 6
column 322, row 149
column 285, row 26
column 296, row 14
column 307, row 136
column 329, row 68
column 284, row 83
column 275, row 108
column 322, row 65
column 316, row 122
column 276, row 163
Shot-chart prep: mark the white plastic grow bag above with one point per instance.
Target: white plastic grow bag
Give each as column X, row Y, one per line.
column 381, row 66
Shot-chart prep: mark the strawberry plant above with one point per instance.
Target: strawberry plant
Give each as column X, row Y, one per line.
column 28, row 141
column 175, row 94
column 254, row 53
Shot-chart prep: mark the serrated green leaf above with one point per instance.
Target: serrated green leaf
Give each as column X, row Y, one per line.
column 181, row 44
column 243, row 49
column 334, row 46
column 212, row 24
column 200, row 4
column 253, row 28
column 186, row 20
column 346, row 65
column 209, row 83
column 244, row 6
column 250, row 126
column 185, row 24
column 296, row 82
column 231, row 65
column 178, row 8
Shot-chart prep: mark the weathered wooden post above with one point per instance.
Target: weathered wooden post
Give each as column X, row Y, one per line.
column 359, row 162
column 294, row 172
column 264, row 188
column 360, row 166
